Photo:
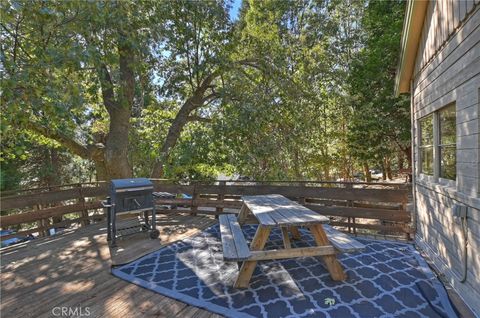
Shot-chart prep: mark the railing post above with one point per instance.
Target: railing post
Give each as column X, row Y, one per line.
column 302, row 200
column 45, row 223
column 81, row 200
column 407, row 227
column 40, row 223
column 195, row 197
column 351, row 221
column 220, row 198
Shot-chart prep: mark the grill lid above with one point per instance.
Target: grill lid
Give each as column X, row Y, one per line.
column 119, row 184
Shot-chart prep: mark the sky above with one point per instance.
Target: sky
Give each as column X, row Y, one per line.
column 236, row 4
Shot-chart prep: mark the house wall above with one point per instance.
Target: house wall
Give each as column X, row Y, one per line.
column 447, row 70
column 443, row 18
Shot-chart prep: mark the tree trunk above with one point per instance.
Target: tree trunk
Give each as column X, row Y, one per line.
column 400, row 161
column 296, row 165
column 366, row 171
column 111, row 154
column 326, row 174
column 55, row 163
column 388, row 168
column 53, row 177
column 100, row 171
column 384, row 172
column 116, row 152
column 174, row 134
column 408, row 154
column 195, row 101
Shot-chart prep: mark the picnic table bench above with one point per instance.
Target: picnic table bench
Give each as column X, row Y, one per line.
column 277, row 211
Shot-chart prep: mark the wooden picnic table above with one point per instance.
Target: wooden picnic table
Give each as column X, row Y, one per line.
column 277, row 211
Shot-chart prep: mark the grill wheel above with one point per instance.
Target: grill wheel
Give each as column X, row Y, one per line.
column 154, row 234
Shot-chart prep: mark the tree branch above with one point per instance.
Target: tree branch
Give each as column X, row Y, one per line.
column 74, row 146
column 127, row 75
column 183, row 116
column 199, row 119
column 106, row 84
column 14, row 36
column 210, row 97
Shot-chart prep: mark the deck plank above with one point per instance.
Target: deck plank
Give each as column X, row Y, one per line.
column 73, row 270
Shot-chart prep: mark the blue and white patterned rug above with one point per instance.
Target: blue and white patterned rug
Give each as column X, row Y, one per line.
column 388, row 279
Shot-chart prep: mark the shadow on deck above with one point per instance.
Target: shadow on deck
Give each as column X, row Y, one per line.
column 73, row 270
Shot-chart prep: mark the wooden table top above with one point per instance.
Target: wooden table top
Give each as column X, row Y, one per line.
column 276, row 210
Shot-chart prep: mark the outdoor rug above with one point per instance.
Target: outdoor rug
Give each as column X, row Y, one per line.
column 387, row 279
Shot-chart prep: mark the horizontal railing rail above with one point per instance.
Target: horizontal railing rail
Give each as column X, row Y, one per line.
column 375, row 207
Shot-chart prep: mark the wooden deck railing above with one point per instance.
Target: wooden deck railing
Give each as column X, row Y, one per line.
column 376, row 207
column 38, row 210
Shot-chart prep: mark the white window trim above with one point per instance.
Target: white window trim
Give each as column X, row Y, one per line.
column 435, row 178
column 419, row 147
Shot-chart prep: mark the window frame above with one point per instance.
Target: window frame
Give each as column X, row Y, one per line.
column 441, row 146
column 421, row 146
column 436, row 175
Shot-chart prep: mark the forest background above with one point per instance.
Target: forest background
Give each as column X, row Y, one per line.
column 189, row 90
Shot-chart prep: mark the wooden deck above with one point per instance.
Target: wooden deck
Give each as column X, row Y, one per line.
column 73, row 270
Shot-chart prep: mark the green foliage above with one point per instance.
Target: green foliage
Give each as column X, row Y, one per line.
column 378, row 116
column 300, row 89
column 10, row 178
column 295, row 104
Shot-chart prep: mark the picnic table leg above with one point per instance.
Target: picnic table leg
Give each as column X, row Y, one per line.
column 286, row 238
column 295, row 233
column 333, row 265
column 247, row 268
column 243, row 214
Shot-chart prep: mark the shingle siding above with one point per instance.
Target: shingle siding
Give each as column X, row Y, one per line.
column 448, row 70
column 441, row 237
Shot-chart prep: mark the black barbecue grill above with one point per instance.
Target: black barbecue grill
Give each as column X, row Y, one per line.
column 130, row 196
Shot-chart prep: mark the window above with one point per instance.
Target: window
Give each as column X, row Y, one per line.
column 437, row 147
column 447, row 143
column 426, row 145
